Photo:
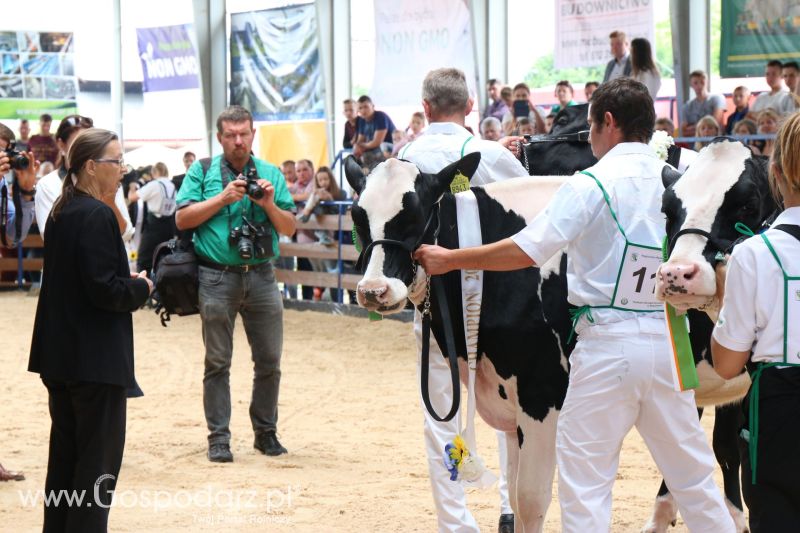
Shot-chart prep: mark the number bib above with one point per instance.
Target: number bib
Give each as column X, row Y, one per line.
column 636, row 281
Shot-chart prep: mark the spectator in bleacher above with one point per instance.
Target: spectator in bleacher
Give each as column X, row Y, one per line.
column 525, row 127
column 548, row 121
column 767, row 125
column 49, row 187
column 374, row 128
column 497, row 107
column 290, row 175
column 491, row 129
column 778, row 97
column 589, row 88
column 507, row 96
column 741, row 99
column 24, row 139
column 620, row 65
column 159, row 196
column 563, row 94
column 643, row 66
column 665, row 124
column 349, row 111
column 188, row 159
column 42, row 144
column 399, row 139
column 701, row 105
column 706, row 127
column 304, row 187
column 522, row 93
column 416, row 126
column 790, row 72
column 746, row 127
column 19, row 217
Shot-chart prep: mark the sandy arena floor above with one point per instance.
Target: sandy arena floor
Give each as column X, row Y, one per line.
column 349, row 415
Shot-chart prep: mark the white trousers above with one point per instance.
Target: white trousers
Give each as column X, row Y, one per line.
column 621, row 377
column 448, row 496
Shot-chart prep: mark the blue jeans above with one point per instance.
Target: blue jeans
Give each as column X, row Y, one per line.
column 255, row 296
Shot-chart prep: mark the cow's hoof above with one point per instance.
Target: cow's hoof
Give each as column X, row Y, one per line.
column 738, row 517
column 506, row 524
column 665, row 514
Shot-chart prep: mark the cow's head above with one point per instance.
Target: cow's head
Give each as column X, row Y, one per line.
column 562, row 158
column 724, row 185
column 393, row 215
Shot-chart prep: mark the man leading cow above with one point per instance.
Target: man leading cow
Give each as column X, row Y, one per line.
column 446, row 101
column 620, row 373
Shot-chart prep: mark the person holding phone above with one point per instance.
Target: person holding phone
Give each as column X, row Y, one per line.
column 522, row 107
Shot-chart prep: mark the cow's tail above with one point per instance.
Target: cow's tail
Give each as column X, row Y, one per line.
column 714, row 390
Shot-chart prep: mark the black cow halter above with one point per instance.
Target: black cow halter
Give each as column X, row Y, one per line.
column 721, row 246
column 437, row 284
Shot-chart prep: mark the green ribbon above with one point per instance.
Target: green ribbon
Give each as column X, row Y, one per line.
column 679, row 337
column 753, row 415
column 576, row 314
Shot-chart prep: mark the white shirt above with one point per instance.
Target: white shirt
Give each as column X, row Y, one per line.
column 48, row 189
column 651, row 79
column 618, row 70
column 781, row 101
column 153, row 194
column 752, row 315
column 578, row 218
column 441, row 144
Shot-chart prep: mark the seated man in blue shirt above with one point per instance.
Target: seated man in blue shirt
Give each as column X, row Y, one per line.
column 373, row 128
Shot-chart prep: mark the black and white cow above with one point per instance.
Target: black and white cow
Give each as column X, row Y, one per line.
column 725, row 184
column 523, row 351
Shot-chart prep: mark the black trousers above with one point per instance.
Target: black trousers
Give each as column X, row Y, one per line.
column 87, row 438
column 774, row 501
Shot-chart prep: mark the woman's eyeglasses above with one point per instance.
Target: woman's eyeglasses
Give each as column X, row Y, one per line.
column 119, row 162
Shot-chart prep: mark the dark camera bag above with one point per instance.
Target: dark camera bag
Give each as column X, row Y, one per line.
column 175, row 274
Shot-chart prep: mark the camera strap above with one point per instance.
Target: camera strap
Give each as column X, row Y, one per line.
column 16, row 199
column 3, row 212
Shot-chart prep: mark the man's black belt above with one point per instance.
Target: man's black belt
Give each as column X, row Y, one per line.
column 239, row 269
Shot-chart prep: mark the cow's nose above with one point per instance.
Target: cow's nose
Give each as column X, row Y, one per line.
column 373, row 291
column 679, row 278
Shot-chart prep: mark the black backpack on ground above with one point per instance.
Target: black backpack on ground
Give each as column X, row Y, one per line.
column 175, row 274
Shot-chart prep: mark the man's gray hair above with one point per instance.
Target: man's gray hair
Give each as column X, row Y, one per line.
column 233, row 113
column 490, row 121
column 445, row 89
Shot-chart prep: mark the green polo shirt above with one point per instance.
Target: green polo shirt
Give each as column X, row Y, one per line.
column 211, row 237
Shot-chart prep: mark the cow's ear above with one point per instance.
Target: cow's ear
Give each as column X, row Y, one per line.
column 355, row 174
column 669, row 176
column 466, row 166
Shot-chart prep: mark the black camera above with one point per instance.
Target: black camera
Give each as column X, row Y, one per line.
column 16, row 159
column 252, row 240
column 254, row 190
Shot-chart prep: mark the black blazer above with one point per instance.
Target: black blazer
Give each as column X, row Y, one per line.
column 83, row 329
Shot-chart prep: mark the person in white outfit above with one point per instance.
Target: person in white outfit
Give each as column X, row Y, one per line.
column 446, row 101
column 48, row 189
column 758, row 326
column 158, row 195
column 620, row 370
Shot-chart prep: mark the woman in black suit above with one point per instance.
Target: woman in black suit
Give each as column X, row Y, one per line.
column 83, row 335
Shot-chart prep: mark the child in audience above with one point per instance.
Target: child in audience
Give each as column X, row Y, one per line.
column 525, row 126
column 706, row 127
column 741, row 99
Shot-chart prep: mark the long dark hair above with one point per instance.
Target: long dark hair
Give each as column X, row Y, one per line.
column 642, row 56
column 89, row 144
column 333, row 187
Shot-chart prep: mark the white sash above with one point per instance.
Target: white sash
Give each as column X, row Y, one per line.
column 469, row 235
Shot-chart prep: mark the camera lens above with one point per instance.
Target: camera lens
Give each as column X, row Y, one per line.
column 245, row 248
column 254, row 191
column 17, row 161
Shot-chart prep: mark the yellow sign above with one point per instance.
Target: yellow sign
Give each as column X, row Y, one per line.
column 281, row 141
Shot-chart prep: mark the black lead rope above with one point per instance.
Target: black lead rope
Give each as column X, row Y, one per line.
column 436, row 282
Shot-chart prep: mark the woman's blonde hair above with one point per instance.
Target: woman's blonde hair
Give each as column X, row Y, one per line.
column 786, row 156
column 88, row 145
column 707, row 120
column 769, row 113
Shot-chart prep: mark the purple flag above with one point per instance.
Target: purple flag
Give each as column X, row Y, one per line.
column 168, row 58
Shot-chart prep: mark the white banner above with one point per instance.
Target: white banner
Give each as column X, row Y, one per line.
column 583, row 26
column 414, row 37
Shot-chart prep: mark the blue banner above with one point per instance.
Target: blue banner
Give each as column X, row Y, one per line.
column 169, row 61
